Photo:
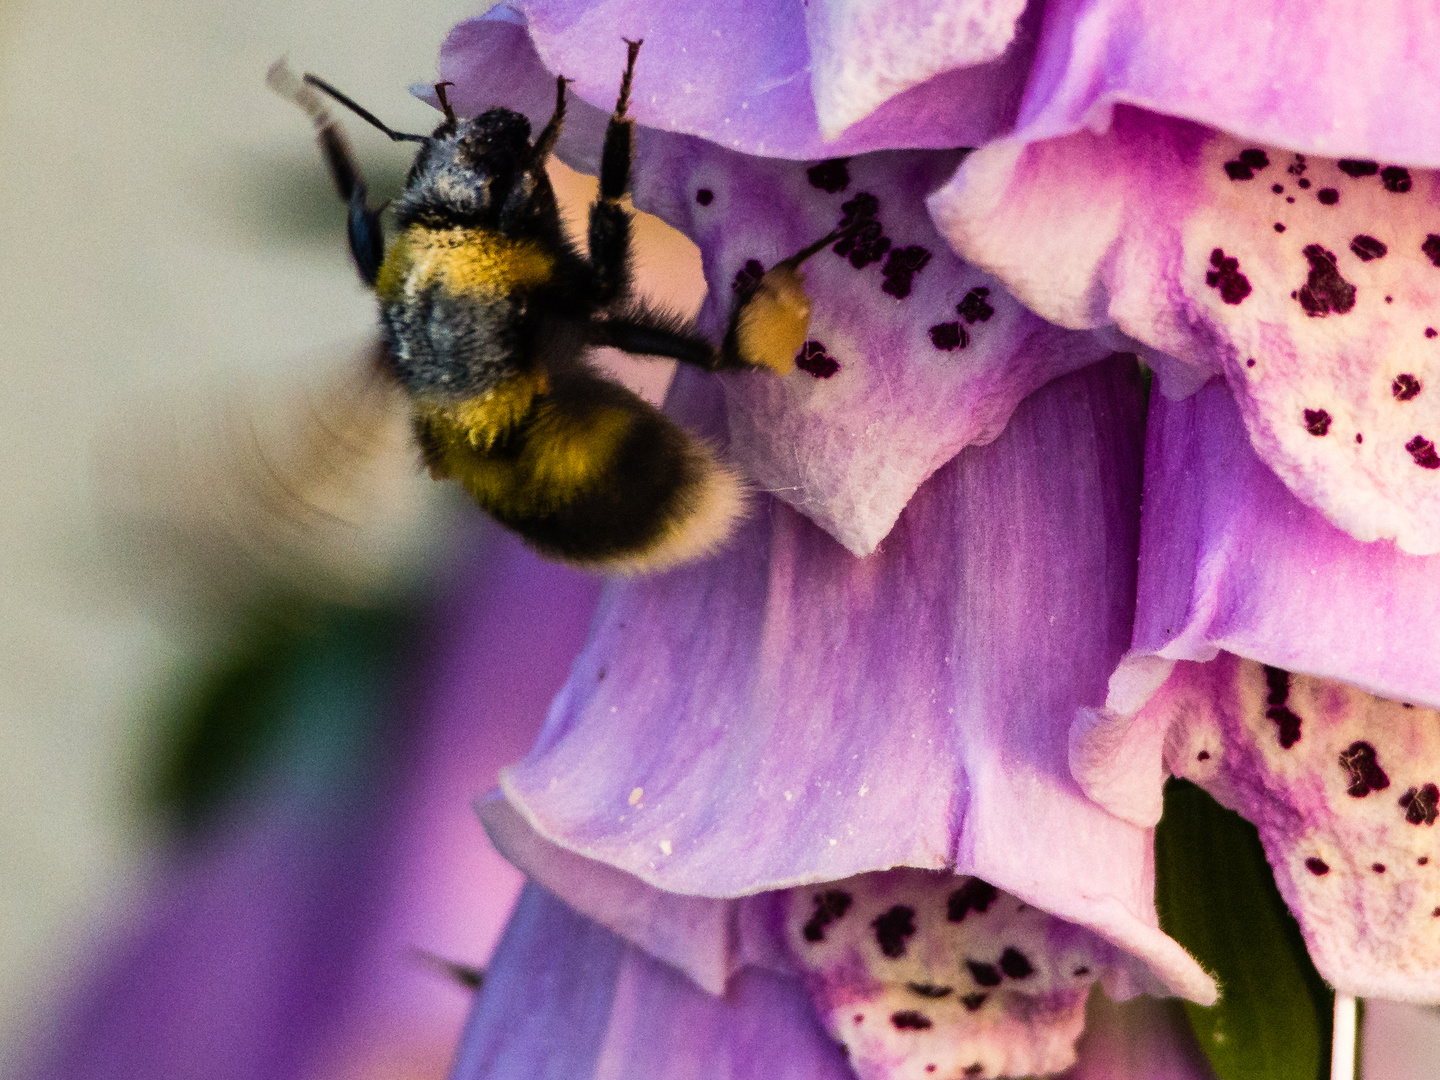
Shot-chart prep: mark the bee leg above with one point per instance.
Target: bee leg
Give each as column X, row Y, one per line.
column 609, row 220
column 646, row 332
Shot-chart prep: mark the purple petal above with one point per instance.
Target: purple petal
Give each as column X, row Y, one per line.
column 751, row 74
column 768, row 717
column 1308, row 282
column 567, row 998
column 1338, row 782
column 912, row 355
column 1325, row 77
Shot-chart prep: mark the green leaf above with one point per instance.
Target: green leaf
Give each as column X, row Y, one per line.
column 1217, row 897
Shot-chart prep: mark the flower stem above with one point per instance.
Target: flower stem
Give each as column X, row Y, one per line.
column 1342, row 1054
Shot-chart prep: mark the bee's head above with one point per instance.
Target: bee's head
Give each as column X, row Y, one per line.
column 496, row 140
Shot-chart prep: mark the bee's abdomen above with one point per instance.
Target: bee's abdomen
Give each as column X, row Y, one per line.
column 594, row 476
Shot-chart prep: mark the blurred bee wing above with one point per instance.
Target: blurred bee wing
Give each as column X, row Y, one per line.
column 306, row 487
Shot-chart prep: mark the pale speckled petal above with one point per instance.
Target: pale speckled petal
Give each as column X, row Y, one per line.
column 749, row 74
column 923, row 974
column 912, row 355
column 747, row 723
column 568, row 1000
column 1342, row 786
column 1310, row 283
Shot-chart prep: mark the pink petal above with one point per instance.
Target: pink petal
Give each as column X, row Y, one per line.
column 751, row 74
column 905, row 366
column 1309, row 283
column 767, row 718
column 1232, row 566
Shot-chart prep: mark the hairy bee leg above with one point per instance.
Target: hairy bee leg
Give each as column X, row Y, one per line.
column 546, row 142
column 651, row 333
column 609, row 220
column 363, row 228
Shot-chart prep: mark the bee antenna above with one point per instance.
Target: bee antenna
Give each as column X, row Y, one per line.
column 360, row 111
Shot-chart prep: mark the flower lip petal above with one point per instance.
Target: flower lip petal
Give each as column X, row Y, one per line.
column 1167, row 230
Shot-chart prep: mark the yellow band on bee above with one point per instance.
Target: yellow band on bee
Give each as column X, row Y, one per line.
column 479, row 422
column 462, row 261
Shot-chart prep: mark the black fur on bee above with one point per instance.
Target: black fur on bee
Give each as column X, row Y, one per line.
column 487, row 310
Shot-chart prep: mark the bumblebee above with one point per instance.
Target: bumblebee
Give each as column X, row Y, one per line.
column 487, row 309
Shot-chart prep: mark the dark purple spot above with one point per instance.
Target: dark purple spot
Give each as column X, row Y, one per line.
column 1367, row 248
column 1423, row 451
column 1289, row 198
column 1318, row 867
column 1431, row 249
column 1422, row 805
column 949, row 336
column 1289, row 733
column 901, row 267
column 910, row 1020
column 975, row 1069
column 1325, row 291
column 863, row 242
column 1366, row 775
column 974, row 307
column 1378, row 867
column 1297, row 166
column 975, row 895
column 1080, row 971
column 1277, row 685
column 1395, row 179
column 984, row 974
column 1435, row 914
column 1304, row 184
column 704, row 196
column 601, row 676
column 929, row 1068
column 892, row 928
column 1359, row 438
column 859, row 1018
column 1389, row 299
column 1233, row 285
column 1016, row 964
column 1423, row 860
column 972, row 1002
column 1204, row 755
column 1328, row 196
column 1279, row 227
column 929, row 990
column 747, row 279
column 1430, row 331
column 1357, row 169
column 1405, row 387
column 830, row 176
column 813, row 358
column 1278, row 189
column 1250, row 362
column 1317, row 421
column 830, row 905
column 1246, row 165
